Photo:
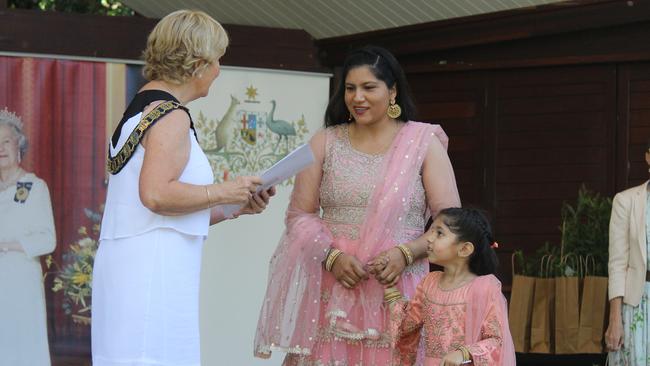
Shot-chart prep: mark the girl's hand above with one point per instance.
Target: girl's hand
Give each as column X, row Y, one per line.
column 377, row 265
column 389, row 274
column 348, row 271
column 257, row 202
column 614, row 335
column 453, row 359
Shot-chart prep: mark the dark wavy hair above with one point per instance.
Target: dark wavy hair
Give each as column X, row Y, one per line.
column 470, row 224
column 385, row 67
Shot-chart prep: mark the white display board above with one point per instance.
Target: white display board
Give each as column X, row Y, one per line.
column 250, row 119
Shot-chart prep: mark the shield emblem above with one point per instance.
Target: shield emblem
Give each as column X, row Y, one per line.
column 249, row 121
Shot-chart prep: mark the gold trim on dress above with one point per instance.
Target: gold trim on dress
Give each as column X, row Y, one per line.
column 115, row 164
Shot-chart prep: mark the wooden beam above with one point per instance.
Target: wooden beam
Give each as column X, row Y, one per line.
column 33, row 31
column 551, row 19
column 613, row 44
column 59, row 33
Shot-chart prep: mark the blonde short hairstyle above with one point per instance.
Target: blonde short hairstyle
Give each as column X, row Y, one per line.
column 182, row 45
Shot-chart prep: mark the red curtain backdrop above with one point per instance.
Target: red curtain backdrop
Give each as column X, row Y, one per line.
column 63, row 107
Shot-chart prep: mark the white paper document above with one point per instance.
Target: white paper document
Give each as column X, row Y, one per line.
column 284, row 169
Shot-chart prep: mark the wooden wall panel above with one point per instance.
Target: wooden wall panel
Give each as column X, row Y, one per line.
column 634, row 115
column 554, row 132
column 456, row 102
column 523, row 141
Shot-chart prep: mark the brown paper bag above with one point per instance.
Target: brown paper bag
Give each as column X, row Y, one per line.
column 592, row 311
column 521, row 308
column 541, row 329
column 567, row 311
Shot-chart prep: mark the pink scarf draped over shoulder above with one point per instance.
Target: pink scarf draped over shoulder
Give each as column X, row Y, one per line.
column 485, row 293
column 290, row 313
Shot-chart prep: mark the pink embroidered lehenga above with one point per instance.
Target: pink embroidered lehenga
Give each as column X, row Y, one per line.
column 474, row 315
column 369, row 204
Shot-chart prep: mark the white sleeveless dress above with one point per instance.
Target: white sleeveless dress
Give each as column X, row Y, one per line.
column 145, row 300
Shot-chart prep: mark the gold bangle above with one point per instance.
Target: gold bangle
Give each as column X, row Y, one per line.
column 335, row 256
column 207, row 193
column 391, row 295
column 408, row 255
column 331, row 258
column 393, row 299
column 327, row 259
column 467, row 358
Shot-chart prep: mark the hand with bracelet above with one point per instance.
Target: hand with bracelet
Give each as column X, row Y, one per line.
column 347, row 269
column 459, row 357
column 236, row 191
column 242, row 191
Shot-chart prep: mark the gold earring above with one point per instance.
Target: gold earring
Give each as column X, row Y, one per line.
column 349, row 117
column 394, row 110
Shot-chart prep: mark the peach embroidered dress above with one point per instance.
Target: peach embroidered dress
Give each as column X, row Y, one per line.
column 369, row 203
column 473, row 315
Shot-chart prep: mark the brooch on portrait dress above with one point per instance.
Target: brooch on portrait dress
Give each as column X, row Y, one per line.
column 22, row 191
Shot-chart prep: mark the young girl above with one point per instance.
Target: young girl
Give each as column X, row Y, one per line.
column 462, row 310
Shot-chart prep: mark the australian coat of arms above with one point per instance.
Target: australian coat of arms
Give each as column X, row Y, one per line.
column 249, row 137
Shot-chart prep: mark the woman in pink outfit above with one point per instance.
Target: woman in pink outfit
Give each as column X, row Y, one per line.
column 377, row 179
column 461, row 312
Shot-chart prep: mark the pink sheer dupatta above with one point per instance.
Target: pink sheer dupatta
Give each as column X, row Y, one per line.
column 486, row 296
column 288, row 320
column 290, row 313
column 349, row 311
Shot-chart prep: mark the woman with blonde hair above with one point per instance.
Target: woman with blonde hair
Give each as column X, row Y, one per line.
column 161, row 200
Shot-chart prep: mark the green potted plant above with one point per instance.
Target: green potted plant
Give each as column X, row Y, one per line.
column 585, row 228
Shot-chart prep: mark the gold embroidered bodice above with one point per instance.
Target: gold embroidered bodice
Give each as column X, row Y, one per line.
column 346, row 187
